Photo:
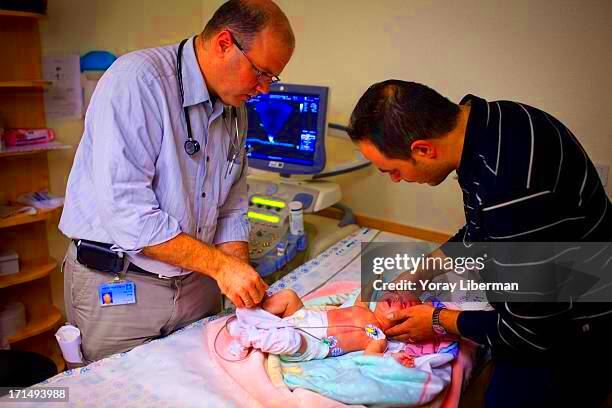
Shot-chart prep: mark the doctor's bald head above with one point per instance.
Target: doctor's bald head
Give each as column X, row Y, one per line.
column 246, row 18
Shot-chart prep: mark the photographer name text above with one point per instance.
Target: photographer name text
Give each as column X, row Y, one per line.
column 428, row 285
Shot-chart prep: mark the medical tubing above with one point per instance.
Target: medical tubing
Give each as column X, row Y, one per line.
column 233, row 317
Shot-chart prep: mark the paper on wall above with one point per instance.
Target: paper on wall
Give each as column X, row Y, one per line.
column 64, row 99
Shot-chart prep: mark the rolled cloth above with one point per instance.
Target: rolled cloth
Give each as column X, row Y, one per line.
column 264, row 331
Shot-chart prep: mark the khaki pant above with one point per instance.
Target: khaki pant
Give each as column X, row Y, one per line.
column 162, row 306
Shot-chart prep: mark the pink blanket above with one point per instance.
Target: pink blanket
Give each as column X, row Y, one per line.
column 253, row 387
column 250, row 382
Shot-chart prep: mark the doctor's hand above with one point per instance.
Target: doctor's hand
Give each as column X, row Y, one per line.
column 240, row 282
column 413, row 324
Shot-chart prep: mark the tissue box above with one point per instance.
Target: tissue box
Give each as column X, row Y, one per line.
column 9, row 263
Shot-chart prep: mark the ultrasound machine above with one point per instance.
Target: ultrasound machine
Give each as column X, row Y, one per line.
column 285, row 141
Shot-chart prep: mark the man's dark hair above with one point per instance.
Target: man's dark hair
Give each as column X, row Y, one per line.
column 245, row 19
column 392, row 114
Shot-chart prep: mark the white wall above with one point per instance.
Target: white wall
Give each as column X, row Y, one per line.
column 553, row 54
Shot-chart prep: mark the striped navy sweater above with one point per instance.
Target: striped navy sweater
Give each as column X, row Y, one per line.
column 526, row 178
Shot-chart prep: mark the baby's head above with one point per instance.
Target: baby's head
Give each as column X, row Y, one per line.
column 390, row 302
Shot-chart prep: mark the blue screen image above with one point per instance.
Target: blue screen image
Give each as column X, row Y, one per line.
column 283, row 127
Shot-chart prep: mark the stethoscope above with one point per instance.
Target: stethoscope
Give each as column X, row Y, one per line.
column 192, row 146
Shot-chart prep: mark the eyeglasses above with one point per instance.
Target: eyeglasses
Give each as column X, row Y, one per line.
column 262, row 76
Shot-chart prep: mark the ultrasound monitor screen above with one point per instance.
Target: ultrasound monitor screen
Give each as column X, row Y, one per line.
column 283, row 127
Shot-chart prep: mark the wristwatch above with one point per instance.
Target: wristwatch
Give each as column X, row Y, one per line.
column 435, row 322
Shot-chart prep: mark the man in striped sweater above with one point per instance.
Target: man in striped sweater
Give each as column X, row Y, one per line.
column 525, row 178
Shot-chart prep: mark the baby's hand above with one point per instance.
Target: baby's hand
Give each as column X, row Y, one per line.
column 400, row 299
column 404, row 359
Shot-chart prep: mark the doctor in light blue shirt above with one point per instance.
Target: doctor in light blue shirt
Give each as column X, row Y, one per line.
column 179, row 219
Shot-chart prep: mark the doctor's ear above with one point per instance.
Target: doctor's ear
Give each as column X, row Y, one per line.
column 222, row 41
column 423, row 148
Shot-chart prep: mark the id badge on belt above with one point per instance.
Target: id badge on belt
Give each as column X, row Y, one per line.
column 117, row 292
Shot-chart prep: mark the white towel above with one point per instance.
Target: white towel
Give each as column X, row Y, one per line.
column 264, row 331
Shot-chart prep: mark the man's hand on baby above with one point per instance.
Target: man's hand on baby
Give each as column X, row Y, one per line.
column 413, row 324
column 240, row 283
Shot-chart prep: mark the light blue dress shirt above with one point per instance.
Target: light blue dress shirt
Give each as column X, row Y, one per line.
column 132, row 184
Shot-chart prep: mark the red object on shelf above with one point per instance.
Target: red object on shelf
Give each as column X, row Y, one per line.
column 23, row 137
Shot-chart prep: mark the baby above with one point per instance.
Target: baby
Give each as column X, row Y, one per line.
column 298, row 334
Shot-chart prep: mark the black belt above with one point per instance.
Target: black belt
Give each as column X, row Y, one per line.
column 136, row 269
column 100, row 257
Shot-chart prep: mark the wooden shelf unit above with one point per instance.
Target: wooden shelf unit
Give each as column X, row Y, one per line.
column 28, row 273
column 25, row 84
column 21, row 14
column 20, row 219
column 33, row 149
column 24, row 171
column 45, row 320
